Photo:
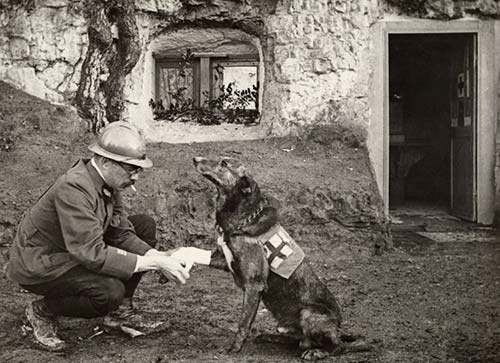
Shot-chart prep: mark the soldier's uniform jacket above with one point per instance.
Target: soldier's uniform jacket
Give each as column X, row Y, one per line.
column 77, row 221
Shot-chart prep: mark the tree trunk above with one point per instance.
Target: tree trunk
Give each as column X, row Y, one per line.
column 113, row 51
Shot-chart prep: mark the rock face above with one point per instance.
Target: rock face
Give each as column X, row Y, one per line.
column 319, row 53
column 315, row 55
column 42, row 48
column 447, row 9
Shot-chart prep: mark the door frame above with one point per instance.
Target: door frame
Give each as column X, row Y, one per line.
column 487, row 90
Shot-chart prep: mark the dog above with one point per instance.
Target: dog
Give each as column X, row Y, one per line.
column 268, row 265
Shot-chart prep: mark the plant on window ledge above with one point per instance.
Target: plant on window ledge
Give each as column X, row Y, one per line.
column 180, row 109
column 181, row 105
column 230, row 106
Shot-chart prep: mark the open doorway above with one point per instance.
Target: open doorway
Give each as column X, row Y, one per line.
column 432, row 123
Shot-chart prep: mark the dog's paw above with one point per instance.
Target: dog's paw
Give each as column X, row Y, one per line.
column 314, row 354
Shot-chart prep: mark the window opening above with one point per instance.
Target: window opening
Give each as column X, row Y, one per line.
column 236, row 78
column 208, row 89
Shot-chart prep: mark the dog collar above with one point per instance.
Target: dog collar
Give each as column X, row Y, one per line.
column 263, row 203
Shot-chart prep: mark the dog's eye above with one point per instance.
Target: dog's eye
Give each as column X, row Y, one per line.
column 224, row 163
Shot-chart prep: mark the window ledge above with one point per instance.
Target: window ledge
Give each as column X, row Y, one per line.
column 186, row 132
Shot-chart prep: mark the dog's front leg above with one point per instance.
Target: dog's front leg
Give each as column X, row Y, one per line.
column 218, row 260
column 251, row 300
column 250, row 271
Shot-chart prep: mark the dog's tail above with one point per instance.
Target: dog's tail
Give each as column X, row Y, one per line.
column 357, row 346
column 352, row 343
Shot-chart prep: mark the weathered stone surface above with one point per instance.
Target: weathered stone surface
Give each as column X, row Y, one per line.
column 41, row 49
column 327, row 39
column 159, row 6
column 446, row 9
column 26, row 79
column 313, row 51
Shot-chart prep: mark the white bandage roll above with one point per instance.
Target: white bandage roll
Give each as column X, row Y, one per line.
column 194, row 255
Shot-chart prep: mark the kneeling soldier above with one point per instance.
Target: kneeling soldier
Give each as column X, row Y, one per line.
column 77, row 248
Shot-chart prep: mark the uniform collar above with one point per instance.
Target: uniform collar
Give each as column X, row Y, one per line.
column 94, row 164
column 97, row 179
column 106, row 190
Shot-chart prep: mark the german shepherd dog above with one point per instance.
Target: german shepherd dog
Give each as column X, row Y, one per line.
column 253, row 246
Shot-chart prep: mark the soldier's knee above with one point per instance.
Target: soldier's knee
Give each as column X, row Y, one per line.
column 110, row 295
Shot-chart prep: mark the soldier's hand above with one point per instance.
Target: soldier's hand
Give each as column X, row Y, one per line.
column 172, row 268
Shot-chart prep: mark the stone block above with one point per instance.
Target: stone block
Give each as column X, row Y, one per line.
column 25, row 79
column 54, row 3
column 19, row 48
column 165, row 6
column 54, row 75
column 321, row 66
column 289, row 71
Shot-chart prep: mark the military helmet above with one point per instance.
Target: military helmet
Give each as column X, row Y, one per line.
column 121, row 142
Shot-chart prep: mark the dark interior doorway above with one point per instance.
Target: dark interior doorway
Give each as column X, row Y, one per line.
column 421, row 85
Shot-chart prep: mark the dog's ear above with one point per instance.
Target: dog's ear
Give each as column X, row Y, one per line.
column 246, row 185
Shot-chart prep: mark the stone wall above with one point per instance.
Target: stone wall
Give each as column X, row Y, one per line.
column 445, row 9
column 319, row 57
column 316, row 54
column 42, row 48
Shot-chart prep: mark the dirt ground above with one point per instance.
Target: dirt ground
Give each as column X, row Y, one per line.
column 421, row 301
